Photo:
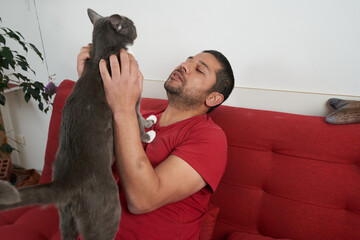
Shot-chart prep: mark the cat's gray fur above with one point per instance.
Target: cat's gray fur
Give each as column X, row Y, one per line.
column 83, row 186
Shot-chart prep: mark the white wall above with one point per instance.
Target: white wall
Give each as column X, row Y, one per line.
column 311, row 46
column 287, row 56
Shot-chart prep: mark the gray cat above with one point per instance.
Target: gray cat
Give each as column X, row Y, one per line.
column 83, row 187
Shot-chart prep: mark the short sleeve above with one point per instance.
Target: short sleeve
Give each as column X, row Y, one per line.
column 205, row 149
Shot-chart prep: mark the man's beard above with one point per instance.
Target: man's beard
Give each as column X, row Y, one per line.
column 182, row 98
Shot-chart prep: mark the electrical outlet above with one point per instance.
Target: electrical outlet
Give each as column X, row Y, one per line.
column 20, row 139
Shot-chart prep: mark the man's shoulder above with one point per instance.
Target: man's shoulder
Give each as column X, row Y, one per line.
column 210, row 125
column 207, row 128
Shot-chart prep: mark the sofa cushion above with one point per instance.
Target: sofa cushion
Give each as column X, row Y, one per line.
column 208, row 224
column 30, row 223
column 248, row 236
column 288, row 175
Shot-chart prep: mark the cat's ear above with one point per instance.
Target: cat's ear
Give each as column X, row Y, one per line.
column 94, row 16
column 115, row 21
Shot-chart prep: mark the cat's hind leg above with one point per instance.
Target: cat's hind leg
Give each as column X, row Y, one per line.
column 99, row 217
column 68, row 225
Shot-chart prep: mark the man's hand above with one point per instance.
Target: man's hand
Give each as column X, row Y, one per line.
column 82, row 57
column 124, row 87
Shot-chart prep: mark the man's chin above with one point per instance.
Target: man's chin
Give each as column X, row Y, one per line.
column 172, row 90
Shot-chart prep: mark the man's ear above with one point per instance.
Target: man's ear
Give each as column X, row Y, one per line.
column 214, row 99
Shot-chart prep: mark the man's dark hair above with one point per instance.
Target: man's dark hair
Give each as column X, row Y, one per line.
column 224, row 77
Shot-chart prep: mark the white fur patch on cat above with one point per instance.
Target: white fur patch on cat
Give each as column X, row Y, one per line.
column 152, row 135
column 152, row 118
column 129, row 50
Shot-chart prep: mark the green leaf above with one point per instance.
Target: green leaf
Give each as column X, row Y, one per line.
column 2, row 99
column 16, row 37
column 12, row 34
column 3, row 62
column 45, row 96
column 19, row 76
column 24, row 86
column 2, row 39
column 16, row 75
column 20, row 57
column 20, row 35
column 39, row 85
column 23, row 64
column 12, row 63
column 6, row 78
column 11, row 58
column 36, row 50
column 6, row 148
column 35, row 93
column 7, row 53
column 24, row 46
column 41, row 106
column 27, row 97
column 24, row 78
column 3, row 85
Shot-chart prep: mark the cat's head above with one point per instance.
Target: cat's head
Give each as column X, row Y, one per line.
column 113, row 30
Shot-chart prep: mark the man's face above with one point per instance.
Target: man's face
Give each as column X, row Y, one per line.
column 189, row 83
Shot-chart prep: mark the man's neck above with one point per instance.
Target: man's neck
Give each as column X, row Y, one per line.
column 172, row 115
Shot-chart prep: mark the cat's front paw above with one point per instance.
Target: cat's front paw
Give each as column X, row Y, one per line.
column 151, row 120
column 148, row 137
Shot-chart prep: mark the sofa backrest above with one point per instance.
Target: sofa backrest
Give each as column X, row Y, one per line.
column 288, row 176
column 63, row 91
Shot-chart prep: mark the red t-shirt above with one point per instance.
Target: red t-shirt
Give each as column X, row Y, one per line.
column 203, row 145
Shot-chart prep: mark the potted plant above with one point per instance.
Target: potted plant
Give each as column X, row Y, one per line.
column 13, row 71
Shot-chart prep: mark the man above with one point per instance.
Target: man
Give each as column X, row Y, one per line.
column 166, row 185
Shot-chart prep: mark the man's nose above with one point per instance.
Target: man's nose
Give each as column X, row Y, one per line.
column 186, row 66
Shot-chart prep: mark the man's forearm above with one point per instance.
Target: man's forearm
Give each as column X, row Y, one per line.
column 138, row 178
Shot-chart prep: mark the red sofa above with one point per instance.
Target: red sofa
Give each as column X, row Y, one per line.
column 288, row 176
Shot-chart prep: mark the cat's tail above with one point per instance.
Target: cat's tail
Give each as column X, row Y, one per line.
column 8, row 194
column 42, row 194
